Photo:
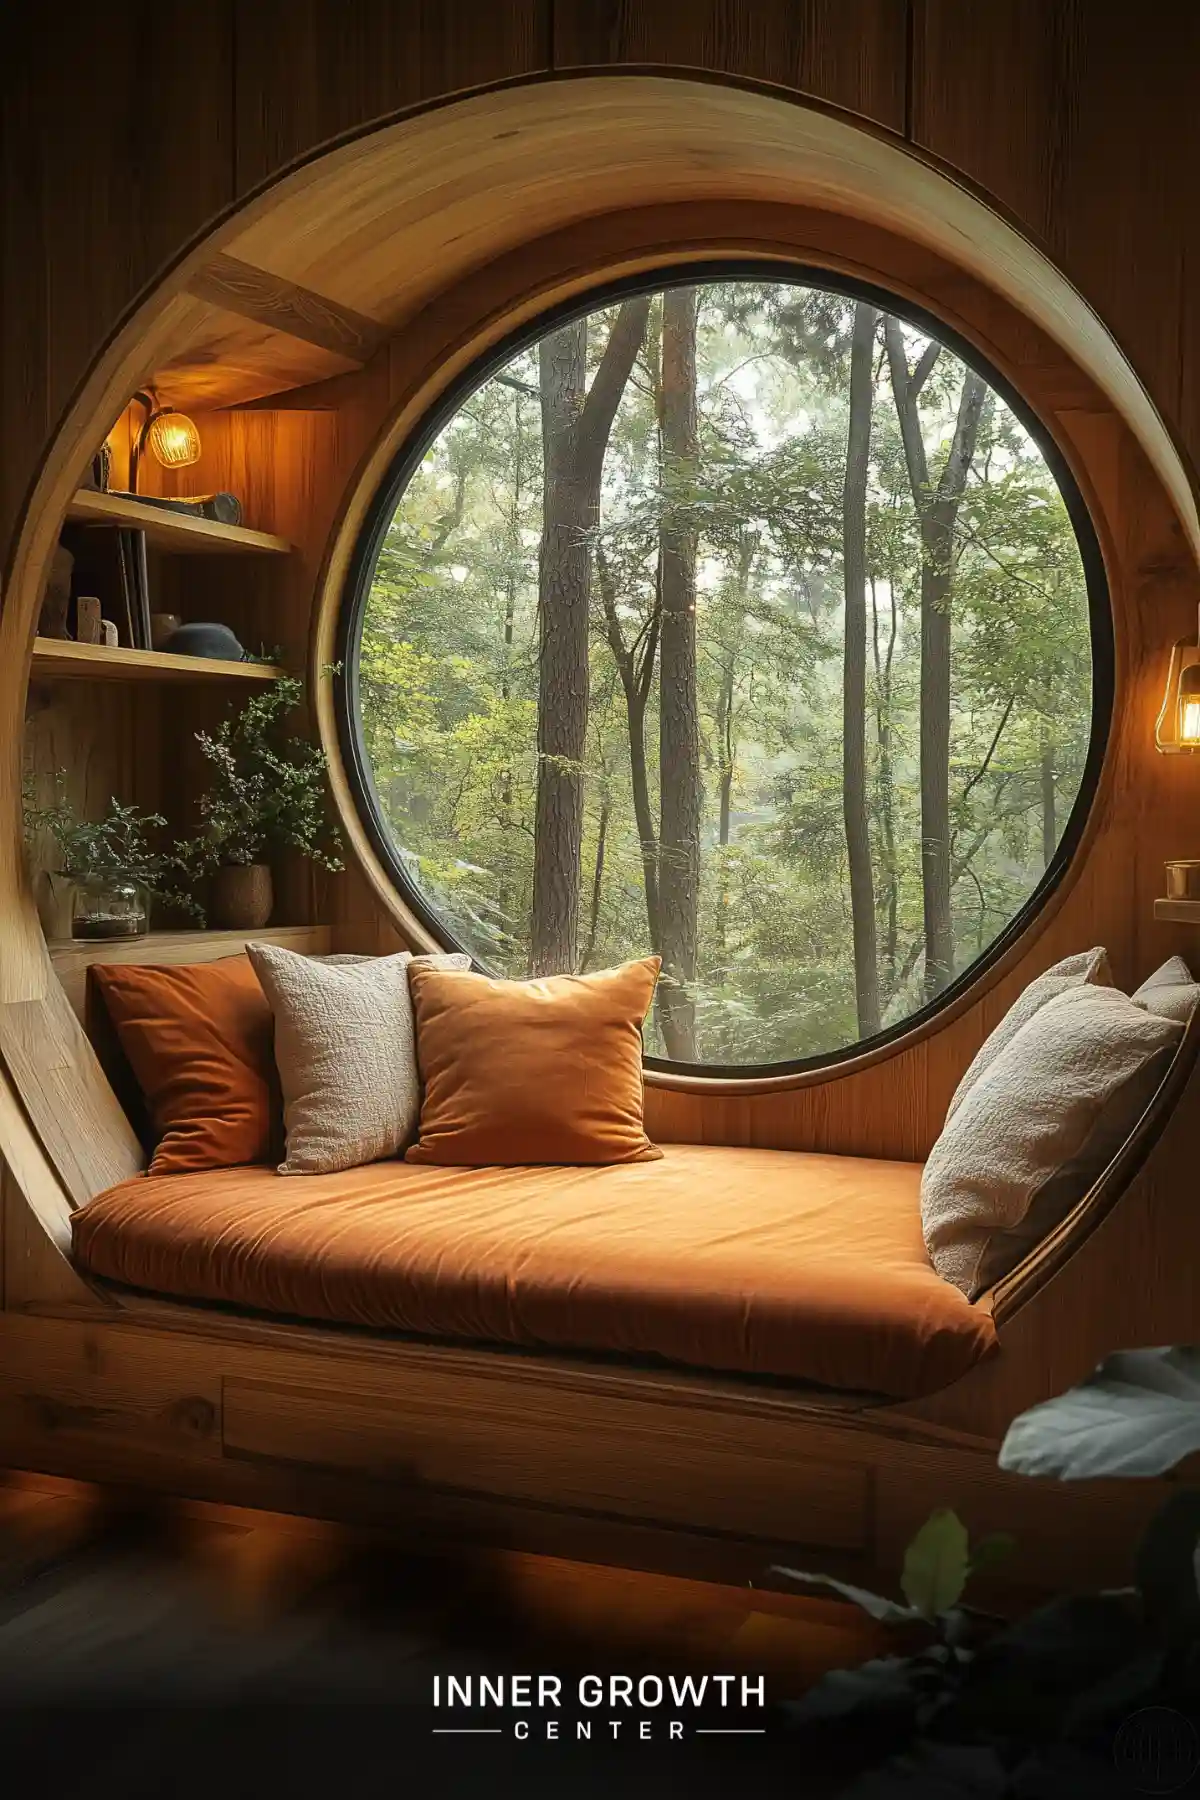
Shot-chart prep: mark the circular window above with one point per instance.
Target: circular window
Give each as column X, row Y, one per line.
column 746, row 619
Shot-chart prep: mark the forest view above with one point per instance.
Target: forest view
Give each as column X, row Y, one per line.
column 745, row 624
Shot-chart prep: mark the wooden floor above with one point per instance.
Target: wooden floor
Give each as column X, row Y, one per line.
column 258, row 1569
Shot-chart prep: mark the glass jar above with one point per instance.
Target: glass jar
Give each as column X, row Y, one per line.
column 109, row 906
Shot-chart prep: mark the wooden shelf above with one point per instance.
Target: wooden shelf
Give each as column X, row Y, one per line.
column 180, row 533
column 1178, row 912
column 58, row 660
column 72, row 957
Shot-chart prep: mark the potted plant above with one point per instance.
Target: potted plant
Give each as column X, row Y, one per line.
column 112, row 869
column 267, row 794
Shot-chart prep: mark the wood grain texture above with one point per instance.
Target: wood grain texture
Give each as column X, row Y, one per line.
column 849, row 52
column 238, row 287
column 72, row 958
column 55, row 660
column 1081, row 120
column 489, row 1457
column 308, row 70
column 181, row 534
column 118, row 146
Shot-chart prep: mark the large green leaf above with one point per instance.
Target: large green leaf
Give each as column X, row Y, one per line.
column 936, row 1564
column 1139, row 1414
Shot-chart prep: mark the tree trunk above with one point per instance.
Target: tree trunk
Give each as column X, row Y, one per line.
column 1049, row 800
column 597, row 884
column 679, row 712
column 937, row 511
column 563, row 655
column 885, row 777
column 636, row 669
column 575, row 433
column 854, row 671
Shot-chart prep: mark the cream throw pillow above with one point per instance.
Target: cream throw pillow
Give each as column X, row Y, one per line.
column 345, row 1049
column 1037, row 1128
column 1072, row 971
column 1171, row 992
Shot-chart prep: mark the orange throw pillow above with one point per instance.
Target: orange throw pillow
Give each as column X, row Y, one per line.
column 198, row 1037
column 520, row 1072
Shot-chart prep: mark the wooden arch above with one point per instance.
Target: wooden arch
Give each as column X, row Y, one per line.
column 408, row 250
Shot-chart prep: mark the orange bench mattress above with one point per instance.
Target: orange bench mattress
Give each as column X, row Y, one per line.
column 765, row 1262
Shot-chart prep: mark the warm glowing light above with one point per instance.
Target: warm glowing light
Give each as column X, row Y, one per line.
column 174, row 440
column 1189, row 706
column 1178, row 726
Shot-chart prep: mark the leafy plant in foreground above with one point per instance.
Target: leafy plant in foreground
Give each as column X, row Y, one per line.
column 1031, row 1708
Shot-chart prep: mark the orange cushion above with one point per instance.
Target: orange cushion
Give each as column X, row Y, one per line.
column 773, row 1262
column 198, row 1039
column 520, row 1072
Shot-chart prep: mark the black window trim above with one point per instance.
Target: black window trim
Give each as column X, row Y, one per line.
column 360, row 574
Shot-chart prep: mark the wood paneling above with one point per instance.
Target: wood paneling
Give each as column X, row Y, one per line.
column 849, row 52
column 1081, row 120
column 72, row 958
column 308, row 70
column 447, row 1442
column 117, row 147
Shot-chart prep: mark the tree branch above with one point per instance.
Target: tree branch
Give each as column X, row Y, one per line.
column 522, row 387
column 906, row 413
column 924, row 368
column 608, row 383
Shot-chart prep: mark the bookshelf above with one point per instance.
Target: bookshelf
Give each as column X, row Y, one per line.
column 178, row 533
column 55, row 659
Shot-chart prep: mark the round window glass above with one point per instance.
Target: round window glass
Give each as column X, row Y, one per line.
column 745, row 622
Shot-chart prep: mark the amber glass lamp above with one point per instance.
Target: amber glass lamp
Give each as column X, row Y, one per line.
column 171, row 437
column 1178, row 726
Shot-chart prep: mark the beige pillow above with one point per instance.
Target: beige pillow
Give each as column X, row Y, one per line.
column 1037, row 1128
column 1171, row 992
column 346, row 1054
column 1073, row 971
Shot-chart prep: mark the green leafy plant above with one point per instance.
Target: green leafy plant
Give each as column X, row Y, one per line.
column 118, row 845
column 267, row 790
column 1031, row 1707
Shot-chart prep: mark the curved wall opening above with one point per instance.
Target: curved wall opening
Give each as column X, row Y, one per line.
column 436, row 237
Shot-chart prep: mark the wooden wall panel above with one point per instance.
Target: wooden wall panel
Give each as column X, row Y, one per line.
column 1081, row 120
column 117, row 147
column 850, row 52
column 308, row 70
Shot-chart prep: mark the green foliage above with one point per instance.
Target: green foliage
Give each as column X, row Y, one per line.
column 267, row 789
column 449, row 672
column 936, row 1565
column 118, row 845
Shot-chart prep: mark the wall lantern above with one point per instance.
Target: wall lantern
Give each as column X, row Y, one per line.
column 170, row 435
